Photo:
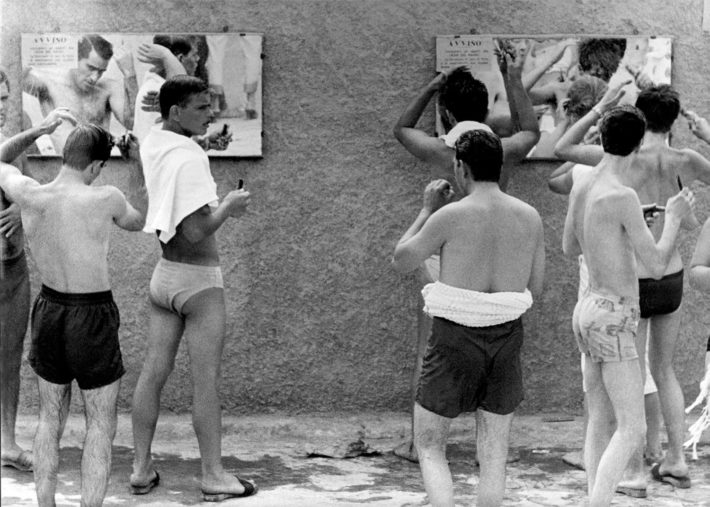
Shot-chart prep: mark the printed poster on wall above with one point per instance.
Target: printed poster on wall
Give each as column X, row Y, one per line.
column 565, row 75
column 107, row 79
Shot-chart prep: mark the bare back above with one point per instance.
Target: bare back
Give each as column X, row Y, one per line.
column 597, row 224
column 68, row 228
column 491, row 243
column 657, row 170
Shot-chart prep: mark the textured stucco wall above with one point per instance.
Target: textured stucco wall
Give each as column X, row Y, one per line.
column 317, row 319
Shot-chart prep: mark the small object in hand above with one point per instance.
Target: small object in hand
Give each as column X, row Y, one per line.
column 240, row 185
column 654, row 209
column 225, row 130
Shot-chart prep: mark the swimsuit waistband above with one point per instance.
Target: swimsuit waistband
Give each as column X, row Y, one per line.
column 75, row 299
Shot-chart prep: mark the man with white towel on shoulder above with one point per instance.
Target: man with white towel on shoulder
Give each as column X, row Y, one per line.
column 186, row 291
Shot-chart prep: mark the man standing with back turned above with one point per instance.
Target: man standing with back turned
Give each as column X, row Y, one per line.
column 492, row 257
column 605, row 223
column 186, row 291
column 74, row 319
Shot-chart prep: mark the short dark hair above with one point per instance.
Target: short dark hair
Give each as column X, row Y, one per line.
column 482, row 152
column 464, row 96
column 102, row 47
column 660, row 106
column 177, row 44
column 86, row 143
column 601, row 57
column 177, row 91
column 622, row 129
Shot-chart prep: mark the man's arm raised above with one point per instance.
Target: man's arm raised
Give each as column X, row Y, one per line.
column 417, row 142
column 569, row 146
column 426, row 235
column 15, row 184
column 522, row 114
column 123, row 100
column 655, row 256
column 17, row 144
column 131, row 215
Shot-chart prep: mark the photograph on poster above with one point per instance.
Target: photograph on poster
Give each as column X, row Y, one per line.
column 111, row 78
column 565, row 75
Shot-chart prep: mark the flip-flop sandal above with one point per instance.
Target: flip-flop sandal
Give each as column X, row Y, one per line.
column 249, row 490
column 682, row 482
column 22, row 462
column 144, row 489
column 632, row 492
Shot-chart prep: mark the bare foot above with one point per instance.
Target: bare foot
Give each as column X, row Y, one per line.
column 17, row 458
column 406, row 450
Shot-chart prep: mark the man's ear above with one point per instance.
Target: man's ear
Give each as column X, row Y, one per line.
column 174, row 111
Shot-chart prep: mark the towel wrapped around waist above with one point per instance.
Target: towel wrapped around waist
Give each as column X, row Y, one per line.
column 472, row 308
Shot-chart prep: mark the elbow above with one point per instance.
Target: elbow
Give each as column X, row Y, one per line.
column 397, row 132
column 400, row 263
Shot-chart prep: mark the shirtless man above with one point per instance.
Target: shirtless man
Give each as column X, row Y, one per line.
column 74, row 320
column 605, row 223
column 655, row 175
column 15, row 284
column 464, row 101
column 186, row 291
column 492, row 258
column 89, row 98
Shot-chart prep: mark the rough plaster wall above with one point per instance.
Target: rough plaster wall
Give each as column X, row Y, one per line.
column 317, row 319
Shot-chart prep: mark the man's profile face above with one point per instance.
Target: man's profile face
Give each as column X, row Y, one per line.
column 4, row 96
column 197, row 115
column 90, row 70
column 190, row 61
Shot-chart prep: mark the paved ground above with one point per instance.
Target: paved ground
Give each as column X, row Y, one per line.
column 274, row 451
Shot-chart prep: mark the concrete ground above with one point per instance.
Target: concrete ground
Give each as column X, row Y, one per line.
column 286, row 458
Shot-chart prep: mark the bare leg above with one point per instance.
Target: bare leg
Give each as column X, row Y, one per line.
column 492, row 446
column 205, row 318
column 430, row 434
column 14, row 312
column 100, row 413
column 664, row 335
column 654, row 421
column 624, row 388
column 634, row 481
column 600, row 420
column 53, row 411
column 165, row 332
column 407, row 449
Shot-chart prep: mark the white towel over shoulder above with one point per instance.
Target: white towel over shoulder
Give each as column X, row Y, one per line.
column 178, row 180
column 472, row 308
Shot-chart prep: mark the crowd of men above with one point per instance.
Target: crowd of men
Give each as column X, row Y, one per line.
column 480, row 252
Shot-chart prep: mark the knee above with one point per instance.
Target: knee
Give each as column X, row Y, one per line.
column 633, row 431
column 429, row 440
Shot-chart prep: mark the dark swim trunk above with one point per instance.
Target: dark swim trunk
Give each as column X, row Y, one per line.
column 75, row 336
column 660, row 297
column 467, row 368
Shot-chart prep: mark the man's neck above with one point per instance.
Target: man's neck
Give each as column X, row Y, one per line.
column 175, row 127
column 616, row 166
column 481, row 188
column 72, row 176
column 655, row 138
